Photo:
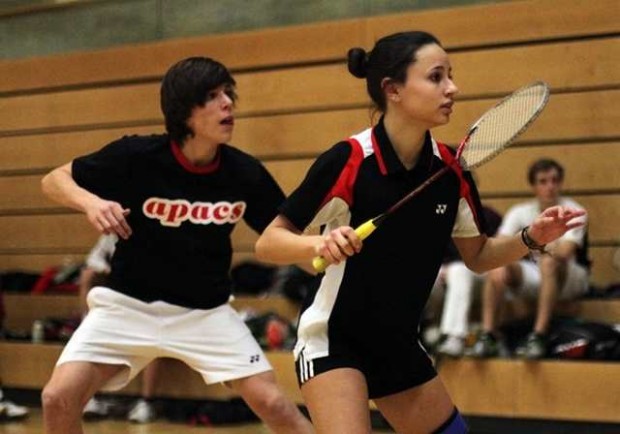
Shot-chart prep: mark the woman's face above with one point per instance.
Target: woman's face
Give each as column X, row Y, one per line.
column 428, row 94
column 214, row 121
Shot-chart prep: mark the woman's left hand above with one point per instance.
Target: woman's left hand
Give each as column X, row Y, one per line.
column 554, row 222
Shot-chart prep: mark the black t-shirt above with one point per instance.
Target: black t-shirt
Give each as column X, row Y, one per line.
column 181, row 215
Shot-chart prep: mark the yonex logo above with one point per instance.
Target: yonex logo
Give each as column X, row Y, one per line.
column 441, row 208
column 255, row 358
column 174, row 212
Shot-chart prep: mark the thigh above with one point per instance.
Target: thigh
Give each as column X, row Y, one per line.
column 338, row 402
column 529, row 283
column 81, row 380
column 576, row 283
column 396, row 366
column 113, row 333
column 262, row 384
column 419, row 410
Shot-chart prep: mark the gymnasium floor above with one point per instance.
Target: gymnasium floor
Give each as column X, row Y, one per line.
column 34, row 425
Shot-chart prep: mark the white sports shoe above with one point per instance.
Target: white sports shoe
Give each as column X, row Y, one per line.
column 452, row 346
column 96, row 408
column 10, row 410
column 142, row 412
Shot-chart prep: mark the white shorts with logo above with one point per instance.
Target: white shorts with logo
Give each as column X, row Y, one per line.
column 122, row 330
column 576, row 280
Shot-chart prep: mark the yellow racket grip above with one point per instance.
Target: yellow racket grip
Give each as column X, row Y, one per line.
column 320, row 264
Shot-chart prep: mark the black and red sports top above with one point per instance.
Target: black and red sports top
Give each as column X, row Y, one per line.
column 383, row 289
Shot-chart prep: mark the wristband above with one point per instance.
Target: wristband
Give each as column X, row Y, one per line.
column 529, row 242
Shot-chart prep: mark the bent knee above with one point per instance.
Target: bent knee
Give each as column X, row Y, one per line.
column 55, row 399
column 500, row 277
column 552, row 265
column 273, row 405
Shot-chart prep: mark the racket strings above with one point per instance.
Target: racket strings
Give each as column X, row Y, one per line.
column 502, row 124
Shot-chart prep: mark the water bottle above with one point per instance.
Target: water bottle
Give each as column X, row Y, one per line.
column 38, row 331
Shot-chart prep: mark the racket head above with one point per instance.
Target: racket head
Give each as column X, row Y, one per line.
column 499, row 126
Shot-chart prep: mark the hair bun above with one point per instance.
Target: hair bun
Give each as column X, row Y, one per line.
column 357, row 62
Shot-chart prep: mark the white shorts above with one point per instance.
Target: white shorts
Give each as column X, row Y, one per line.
column 122, row 330
column 576, row 281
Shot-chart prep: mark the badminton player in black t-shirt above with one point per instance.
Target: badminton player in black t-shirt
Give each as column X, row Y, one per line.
column 173, row 200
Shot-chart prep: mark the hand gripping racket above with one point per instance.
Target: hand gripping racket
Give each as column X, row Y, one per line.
column 487, row 137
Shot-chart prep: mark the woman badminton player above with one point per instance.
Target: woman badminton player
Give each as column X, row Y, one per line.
column 357, row 336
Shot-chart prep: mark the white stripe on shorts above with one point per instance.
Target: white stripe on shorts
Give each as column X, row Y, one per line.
column 306, row 368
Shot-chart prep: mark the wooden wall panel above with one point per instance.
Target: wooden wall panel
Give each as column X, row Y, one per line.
column 457, row 27
column 267, row 137
column 603, row 270
column 47, row 233
column 317, row 42
column 571, row 65
column 569, row 118
column 45, row 151
column 588, row 166
column 22, row 194
column 299, row 135
column 491, row 24
column 320, row 87
column 62, row 110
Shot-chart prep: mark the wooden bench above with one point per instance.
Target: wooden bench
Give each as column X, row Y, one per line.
column 503, row 388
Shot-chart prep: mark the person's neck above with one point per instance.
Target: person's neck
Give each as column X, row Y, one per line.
column 198, row 152
column 406, row 136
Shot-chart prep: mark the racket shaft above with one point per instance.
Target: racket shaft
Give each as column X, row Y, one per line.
column 363, row 231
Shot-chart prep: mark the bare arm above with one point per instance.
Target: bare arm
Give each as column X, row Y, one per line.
column 106, row 216
column 282, row 243
column 481, row 254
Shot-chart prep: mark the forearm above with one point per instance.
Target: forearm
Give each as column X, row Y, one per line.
column 281, row 246
column 59, row 186
column 484, row 254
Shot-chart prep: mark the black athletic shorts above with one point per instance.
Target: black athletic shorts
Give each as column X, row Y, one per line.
column 388, row 369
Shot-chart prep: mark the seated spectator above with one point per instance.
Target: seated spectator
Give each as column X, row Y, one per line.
column 93, row 273
column 460, row 283
column 556, row 271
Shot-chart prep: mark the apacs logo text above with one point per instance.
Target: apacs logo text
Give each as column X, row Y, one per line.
column 174, row 212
